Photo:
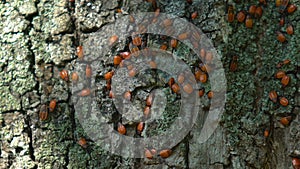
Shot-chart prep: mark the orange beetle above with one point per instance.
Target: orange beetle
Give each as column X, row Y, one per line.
column 152, row 65
column 203, row 67
column 164, row 47
column 285, row 120
column 165, row 153
column 249, row 21
column 183, row 36
column 194, row 15
column 146, row 111
column 88, row 71
column 279, row 74
column 196, row 35
column 280, row 37
column 129, row 67
column 175, row 88
column 291, row 8
column 148, row 154
column 171, row 82
column 230, row 13
column 286, row 61
column 258, row 12
column 79, row 52
column 208, row 56
column 210, row 94
column 111, row 94
column 233, row 63
column 108, row 75
column 296, row 163
column 203, row 77
column 173, row 43
column 113, row 39
column 43, row 114
column 75, row 77
column 137, row 41
column 132, row 72
column 180, row 78
column 119, row 10
column 202, row 53
column 285, row 80
column 85, row 92
column 252, row 10
column 188, row 88
column 121, row 128
column 52, row 105
column 125, row 55
column 290, row 29
column 127, row 95
column 117, row 60
column 201, row 92
column 283, row 101
column 198, row 73
column 82, row 142
column 149, row 99
column 241, row 16
column 64, row 75
column 153, row 151
column 167, row 22
column 281, row 21
column 140, row 128
column 266, row 133
column 273, row 96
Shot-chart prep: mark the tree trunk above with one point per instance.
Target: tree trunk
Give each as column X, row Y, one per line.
column 39, row 40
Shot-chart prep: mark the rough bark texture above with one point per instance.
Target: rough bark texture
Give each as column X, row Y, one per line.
column 39, row 38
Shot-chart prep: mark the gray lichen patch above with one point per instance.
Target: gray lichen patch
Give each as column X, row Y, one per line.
column 63, row 51
column 8, row 101
column 15, row 142
column 27, row 7
column 12, row 21
column 61, row 24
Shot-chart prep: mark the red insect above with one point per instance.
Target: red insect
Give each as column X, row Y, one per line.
column 82, row 142
column 165, row 153
column 79, row 52
column 43, row 113
column 85, row 92
column 64, row 75
column 194, row 15
column 230, row 14
column 88, row 71
column 121, row 128
column 233, row 64
column 140, row 128
column 52, row 105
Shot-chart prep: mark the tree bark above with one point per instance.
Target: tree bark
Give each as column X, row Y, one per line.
column 39, row 39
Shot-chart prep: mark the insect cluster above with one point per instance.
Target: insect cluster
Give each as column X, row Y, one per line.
column 283, row 101
column 255, row 11
column 44, row 110
column 138, row 43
